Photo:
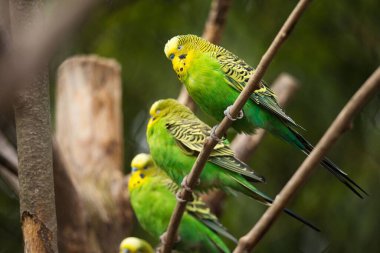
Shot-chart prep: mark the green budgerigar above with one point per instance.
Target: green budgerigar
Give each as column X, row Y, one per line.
column 135, row 245
column 153, row 199
column 214, row 77
column 176, row 136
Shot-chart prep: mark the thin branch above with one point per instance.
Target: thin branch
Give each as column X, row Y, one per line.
column 245, row 145
column 210, row 143
column 337, row 128
column 212, row 32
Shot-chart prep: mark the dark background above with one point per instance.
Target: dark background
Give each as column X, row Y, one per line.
column 332, row 51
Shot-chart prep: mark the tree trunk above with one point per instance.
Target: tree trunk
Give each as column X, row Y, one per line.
column 70, row 210
column 89, row 134
column 32, row 114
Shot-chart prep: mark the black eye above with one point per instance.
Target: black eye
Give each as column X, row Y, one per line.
column 142, row 175
column 179, row 47
column 171, row 56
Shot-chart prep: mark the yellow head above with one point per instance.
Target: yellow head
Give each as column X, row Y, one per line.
column 135, row 245
column 143, row 167
column 180, row 50
column 179, row 45
column 163, row 107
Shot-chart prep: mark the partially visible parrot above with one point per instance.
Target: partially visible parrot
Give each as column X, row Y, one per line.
column 176, row 136
column 153, row 199
column 135, row 245
column 214, row 77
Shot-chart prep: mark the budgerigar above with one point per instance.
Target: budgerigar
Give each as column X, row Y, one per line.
column 214, row 77
column 153, row 200
column 176, row 136
column 135, row 245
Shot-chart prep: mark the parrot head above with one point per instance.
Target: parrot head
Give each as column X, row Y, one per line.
column 180, row 45
column 180, row 51
column 142, row 168
column 135, row 245
column 166, row 107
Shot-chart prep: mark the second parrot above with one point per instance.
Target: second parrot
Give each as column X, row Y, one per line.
column 176, row 136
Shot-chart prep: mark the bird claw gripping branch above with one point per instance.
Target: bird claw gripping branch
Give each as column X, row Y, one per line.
column 179, row 197
column 213, row 135
column 185, row 185
column 228, row 114
column 163, row 238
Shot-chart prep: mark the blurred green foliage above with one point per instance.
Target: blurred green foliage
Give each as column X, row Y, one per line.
column 332, row 51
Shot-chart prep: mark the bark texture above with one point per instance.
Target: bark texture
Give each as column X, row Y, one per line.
column 32, row 115
column 37, row 200
column 89, row 136
column 70, row 209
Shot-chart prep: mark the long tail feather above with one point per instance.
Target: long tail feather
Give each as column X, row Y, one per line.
column 251, row 191
column 330, row 166
column 296, row 216
column 220, row 230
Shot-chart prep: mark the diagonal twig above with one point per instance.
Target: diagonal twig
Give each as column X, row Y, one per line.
column 337, row 128
column 210, row 143
column 212, row 32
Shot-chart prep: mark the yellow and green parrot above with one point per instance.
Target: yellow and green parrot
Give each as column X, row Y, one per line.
column 135, row 245
column 176, row 136
column 152, row 195
column 214, row 78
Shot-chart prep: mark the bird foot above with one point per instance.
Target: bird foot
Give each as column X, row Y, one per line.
column 213, row 135
column 185, row 185
column 164, row 235
column 163, row 238
column 179, row 197
column 228, row 114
